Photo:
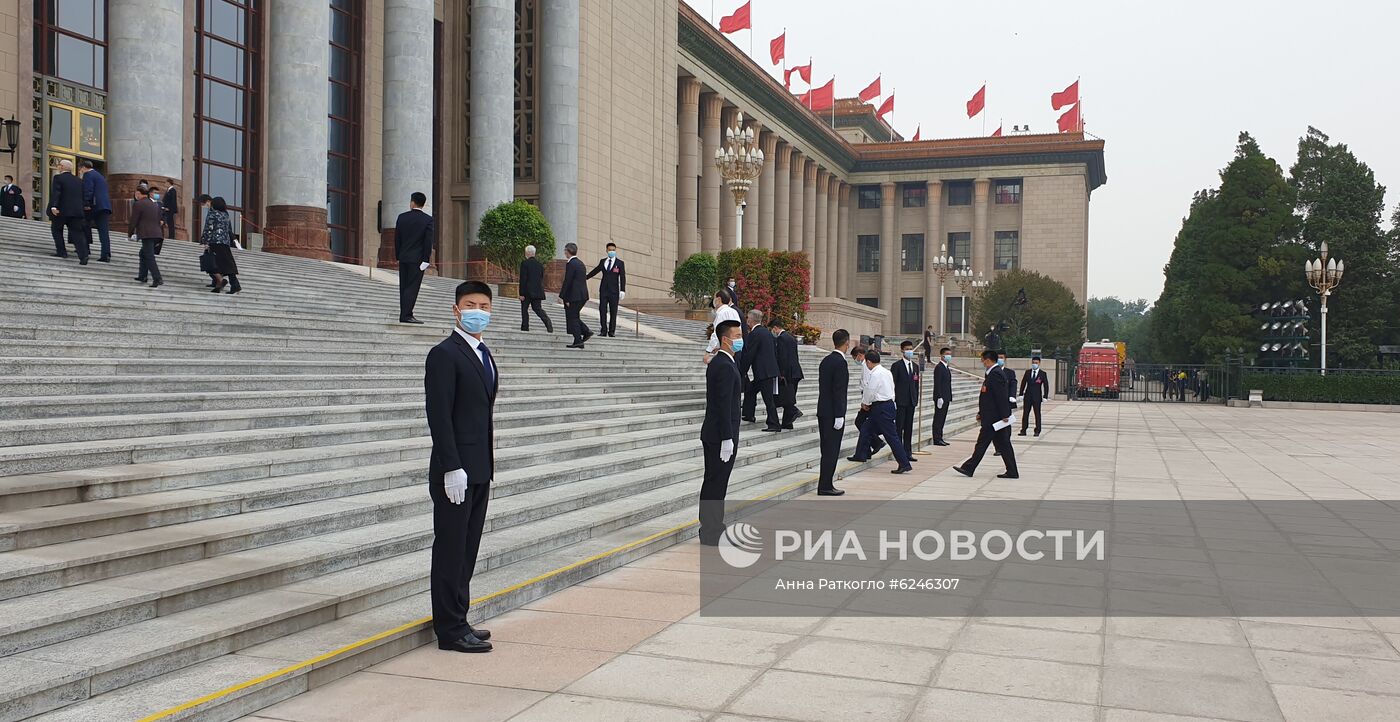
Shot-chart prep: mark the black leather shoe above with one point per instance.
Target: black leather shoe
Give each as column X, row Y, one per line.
column 576, row 344
column 410, row 319
column 157, row 284
column 788, row 427
column 962, row 471
column 830, row 492
column 799, row 415
column 749, row 420
column 482, row 634
column 104, row 260
column 1008, row 476
column 858, row 461
column 1037, row 433
column 139, row 279
column 82, row 262
column 902, row 470
column 1022, row 434
column 59, row 255
column 773, row 429
column 912, row 460
column 468, row 644
column 941, row 442
column 996, row 453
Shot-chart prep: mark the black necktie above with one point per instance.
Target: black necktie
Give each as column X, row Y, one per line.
column 488, row 364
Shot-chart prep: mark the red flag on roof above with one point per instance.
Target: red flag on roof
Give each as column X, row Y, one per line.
column 738, row 21
column 820, row 98
column 1068, row 96
column 978, row 101
column 1070, row 121
column 886, row 107
column 871, row 91
column 803, row 71
column 996, row 133
column 917, row 128
column 777, row 48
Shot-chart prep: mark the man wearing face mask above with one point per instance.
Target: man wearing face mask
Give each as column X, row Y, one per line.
column 878, row 396
column 994, row 414
column 942, row 394
column 1010, row 375
column 574, row 294
column 460, row 382
column 734, row 293
column 906, row 394
column 719, row 434
column 1034, row 387
column 611, row 290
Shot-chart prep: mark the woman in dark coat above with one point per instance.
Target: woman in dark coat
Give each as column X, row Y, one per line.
column 218, row 236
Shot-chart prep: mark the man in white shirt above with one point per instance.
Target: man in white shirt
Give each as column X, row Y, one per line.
column 858, row 353
column 724, row 311
column 878, row 395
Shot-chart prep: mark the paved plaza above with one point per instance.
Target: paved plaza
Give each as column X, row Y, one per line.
column 631, row 645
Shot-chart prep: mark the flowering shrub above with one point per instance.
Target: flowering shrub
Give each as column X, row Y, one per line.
column 808, row 333
column 747, row 267
column 790, row 278
column 777, row 282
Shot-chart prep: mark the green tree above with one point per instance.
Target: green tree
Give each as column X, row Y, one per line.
column 508, row 228
column 1049, row 319
column 1101, row 325
column 1234, row 251
column 1342, row 205
column 696, row 281
column 1116, row 308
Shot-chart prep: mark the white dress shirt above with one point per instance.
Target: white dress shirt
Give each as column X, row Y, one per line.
column 475, row 343
column 722, row 314
column 864, row 376
column 879, row 387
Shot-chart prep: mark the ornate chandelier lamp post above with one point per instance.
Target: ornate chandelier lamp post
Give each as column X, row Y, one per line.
column 740, row 162
column 968, row 280
column 942, row 265
column 1324, row 274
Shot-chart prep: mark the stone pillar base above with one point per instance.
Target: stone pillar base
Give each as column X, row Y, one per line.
column 553, row 275
column 297, row 231
column 386, row 249
column 121, row 187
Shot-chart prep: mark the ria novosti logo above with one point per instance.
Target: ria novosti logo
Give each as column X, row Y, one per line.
column 741, row 545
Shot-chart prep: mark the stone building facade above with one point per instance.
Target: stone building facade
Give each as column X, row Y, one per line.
column 315, row 119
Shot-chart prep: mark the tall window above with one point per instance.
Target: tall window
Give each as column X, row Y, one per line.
column 70, row 40
column 953, row 314
column 1006, row 250
column 868, row 301
column 960, row 193
column 227, row 60
column 960, row 248
column 911, row 315
column 1008, row 191
column 868, row 254
column 915, row 195
column 342, row 161
column 912, row 252
column 868, row 197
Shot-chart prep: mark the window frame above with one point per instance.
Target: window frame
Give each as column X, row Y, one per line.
column 956, row 191
column 868, row 197
column 904, row 243
column 913, row 191
column 1007, row 198
column 999, row 240
column 868, row 262
column 952, row 243
column 247, row 205
column 911, row 321
column 46, row 32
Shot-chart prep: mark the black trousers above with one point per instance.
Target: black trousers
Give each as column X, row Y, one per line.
column 456, row 541
column 526, row 306
column 767, row 389
column 831, row 450
column 904, row 425
column 410, row 281
column 148, row 260
column 940, row 417
column 1026, row 415
column 607, row 315
column 881, row 422
column 861, row 417
column 99, row 221
column 77, row 235
column 573, row 324
column 999, row 439
column 787, row 398
column 712, row 492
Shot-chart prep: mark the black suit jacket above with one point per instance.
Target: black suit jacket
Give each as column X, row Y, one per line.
column 994, row 402
column 1010, row 375
column 723, row 391
column 12, row 201
column 833, row 377
column 789, row 366
column 170, row 202
column 613, row 281
column 943, row 383
column 532, row 279
column 66, row 194
column 1032, row 392
column 760, row 355
column 144, row 220
column 575, row 288
column 413, row 238
column 906, row 384
column 460, row 406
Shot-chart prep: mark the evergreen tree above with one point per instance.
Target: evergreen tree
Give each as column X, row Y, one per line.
column 1050, row 318
column 1233, row 252
column 1340, row 203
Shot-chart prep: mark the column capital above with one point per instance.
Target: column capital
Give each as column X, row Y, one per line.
column 887, row 193
column 981, row 185
column 710, row 105
column 689, row 89
column 781, row 155
column 934, row 183
column 845, row 192
column 798, row 161
column 768, row 143
column 823, row 179
column 833, row 188
column 810, row 171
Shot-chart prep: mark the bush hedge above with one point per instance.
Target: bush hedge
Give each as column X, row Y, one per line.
column 508, row 228
column 1335, row 387
column 695, row 281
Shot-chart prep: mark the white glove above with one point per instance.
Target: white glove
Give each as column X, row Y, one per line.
column 840, row 423
column 938, row 404
column 423, row 266
column 455, row 484
column 1013, row 399
column 726, row 450
column 133, row 236
column 621, row 295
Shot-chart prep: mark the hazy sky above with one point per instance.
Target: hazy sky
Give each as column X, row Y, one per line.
column 1168, row 86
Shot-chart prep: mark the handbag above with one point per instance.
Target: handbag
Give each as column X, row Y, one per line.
column 207, row 262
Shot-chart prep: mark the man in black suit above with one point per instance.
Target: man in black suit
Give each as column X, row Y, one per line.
column 789, row 371
column 1010, row 375
column 413, row 247
column 11, row 199
column 993, row 407
column 170, row 210
column 97, row 208
column 833, row 377
column 611, row 290
column 760, row 355
column 906, row 394
column 460, row 383
column 1035, row 387
column 532, row 290
column 66, row 211
column 942, row 394
column 574, row 294
column 719, row 434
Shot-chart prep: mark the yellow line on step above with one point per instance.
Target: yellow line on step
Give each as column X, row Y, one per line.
column 289, row 669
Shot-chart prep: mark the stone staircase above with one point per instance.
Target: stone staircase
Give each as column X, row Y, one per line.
column 204, row 493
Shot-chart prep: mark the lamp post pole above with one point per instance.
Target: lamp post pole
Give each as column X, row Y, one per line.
column 739, row 162
column 942, row 265
column 967, row 279
column 1324, row 274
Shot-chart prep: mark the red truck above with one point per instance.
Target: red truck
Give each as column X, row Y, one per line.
column 1099, row 370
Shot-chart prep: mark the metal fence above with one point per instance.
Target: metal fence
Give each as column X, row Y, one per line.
column 1157, row 383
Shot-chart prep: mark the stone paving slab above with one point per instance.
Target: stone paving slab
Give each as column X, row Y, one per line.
column 632, row 645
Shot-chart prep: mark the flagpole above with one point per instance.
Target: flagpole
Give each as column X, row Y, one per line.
column 984, row 107
column 712, row 12
column 833, row 102
column 809, row 82
column 892, row 117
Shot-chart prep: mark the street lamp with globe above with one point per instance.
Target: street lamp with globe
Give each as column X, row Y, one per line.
column 739, row 162
column 1324, row 274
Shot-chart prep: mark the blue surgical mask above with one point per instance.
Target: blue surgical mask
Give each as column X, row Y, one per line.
column 612, row 254
column 155, row 196
column 738, row 345
column 1035, row 367
column 731, row 284
column 474, row 320
column 908, row 354
column 947, row 358
column 1001, row 362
